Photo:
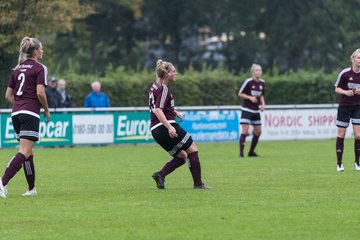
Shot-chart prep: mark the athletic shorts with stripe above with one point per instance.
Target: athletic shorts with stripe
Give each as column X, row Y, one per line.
column 172, row 145
column 26, row 126
column 250, row 118
column 345, row 113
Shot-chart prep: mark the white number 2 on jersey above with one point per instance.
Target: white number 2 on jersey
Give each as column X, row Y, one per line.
column 21, row 78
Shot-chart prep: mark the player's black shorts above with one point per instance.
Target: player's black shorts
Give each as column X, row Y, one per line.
column 345, row 113
column 172, row 145
column 250, row 118
column 26, row 126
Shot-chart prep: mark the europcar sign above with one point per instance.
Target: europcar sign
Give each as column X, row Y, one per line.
column 56, row 132
column 132, row 127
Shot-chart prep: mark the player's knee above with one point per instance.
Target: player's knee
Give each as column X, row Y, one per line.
column 245, row 133
column 182, row 155
column 192, row 148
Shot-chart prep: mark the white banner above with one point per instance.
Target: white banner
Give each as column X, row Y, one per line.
column 93, row 129
column 294, row 124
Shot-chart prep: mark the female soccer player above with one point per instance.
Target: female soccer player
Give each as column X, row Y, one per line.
column 348, row 86
column 252, row 91
column 26, row 93
column 166, row 132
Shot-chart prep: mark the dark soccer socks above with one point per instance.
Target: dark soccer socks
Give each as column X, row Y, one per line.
column 254, row 142
column 242, row 144
column 29, row 170
column 13, row 167
column 171, row 165
column 357, row 150
column 195, row 168
column 339, row 149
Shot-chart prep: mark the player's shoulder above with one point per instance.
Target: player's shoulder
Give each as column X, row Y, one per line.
column 33, row 65
column 154, row 87
column 39, row 65
column 159, row 87
column 247, row 81
column 345, row 71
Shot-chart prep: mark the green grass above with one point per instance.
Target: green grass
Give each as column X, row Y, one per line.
column 291, row 192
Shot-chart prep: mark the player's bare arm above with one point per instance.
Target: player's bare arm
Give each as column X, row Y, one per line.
column 251, row 98
column 262, row 102
column 40, row 91
column 179, row 115
column 9, row 95
column 161, row 116
column 345, row 92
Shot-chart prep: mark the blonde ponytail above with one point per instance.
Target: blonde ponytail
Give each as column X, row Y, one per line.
column 27, row 47
column 162, row 67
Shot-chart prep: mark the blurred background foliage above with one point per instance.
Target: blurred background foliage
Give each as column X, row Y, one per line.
column 300, row 44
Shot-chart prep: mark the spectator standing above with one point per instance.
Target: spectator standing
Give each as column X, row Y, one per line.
column 96, row 98
column 65, row 101
column 52, row 94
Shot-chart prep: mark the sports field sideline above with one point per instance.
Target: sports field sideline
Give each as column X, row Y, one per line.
column 291, row 192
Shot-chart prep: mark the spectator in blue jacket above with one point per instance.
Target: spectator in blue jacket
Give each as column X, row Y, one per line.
column 96, row 98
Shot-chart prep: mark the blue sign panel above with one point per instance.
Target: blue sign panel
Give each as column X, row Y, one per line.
column 211, row 126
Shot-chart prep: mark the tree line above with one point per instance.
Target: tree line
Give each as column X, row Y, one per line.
column 91, row 37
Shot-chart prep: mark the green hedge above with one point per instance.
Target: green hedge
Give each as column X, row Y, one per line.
column 208, row 87
column 202, row 88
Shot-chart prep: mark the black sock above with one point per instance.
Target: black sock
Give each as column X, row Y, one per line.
column 339, row 150
column 29, row 170
column 242, row 143
column 254, row 142
column 13, row 167
column 195, row 168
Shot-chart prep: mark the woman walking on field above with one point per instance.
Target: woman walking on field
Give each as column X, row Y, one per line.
column 26, row 93
column 252, row 91
column 166, row 132
column 348, row 86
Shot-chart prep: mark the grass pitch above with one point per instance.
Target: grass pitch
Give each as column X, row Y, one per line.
column 291, row 192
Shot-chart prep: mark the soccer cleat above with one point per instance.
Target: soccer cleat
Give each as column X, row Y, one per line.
column 3, row 190
column 241, row 154
column 357, row 166
column 252, row 154
column 202, row 186
column 31, row 193
column 160, row 181
column 6, row 190
column 339, row 167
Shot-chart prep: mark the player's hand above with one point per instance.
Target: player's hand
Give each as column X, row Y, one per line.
column 47, row 116
column 253, row 99
column 357, row 91
column 180, row 116
column 350, row 93
column 172, row 132
column 262, row 108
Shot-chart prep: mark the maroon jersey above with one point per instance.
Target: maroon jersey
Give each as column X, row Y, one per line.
column 252, row 88
column 347, row 80
column 161, row 97
column 24, row 79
